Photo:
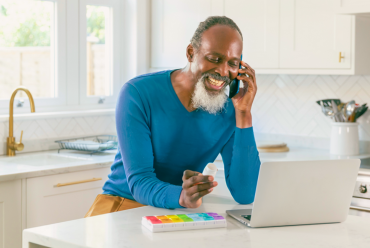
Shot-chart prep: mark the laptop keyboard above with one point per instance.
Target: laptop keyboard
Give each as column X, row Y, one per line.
column 248, row 217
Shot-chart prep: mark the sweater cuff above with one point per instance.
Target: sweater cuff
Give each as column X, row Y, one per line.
column 244, row 137
column 173, row 196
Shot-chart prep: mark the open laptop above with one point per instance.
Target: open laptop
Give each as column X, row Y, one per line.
column 301, row 192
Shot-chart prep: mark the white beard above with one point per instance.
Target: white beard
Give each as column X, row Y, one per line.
column 206, row 101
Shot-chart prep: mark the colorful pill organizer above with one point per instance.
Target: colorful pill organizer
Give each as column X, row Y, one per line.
column 168, row 223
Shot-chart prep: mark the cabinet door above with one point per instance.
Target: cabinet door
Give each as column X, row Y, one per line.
column 10, row 214
column 258, row 21
column 173, row 25
column 312, row 35
column 47, row 203
column 353, row 6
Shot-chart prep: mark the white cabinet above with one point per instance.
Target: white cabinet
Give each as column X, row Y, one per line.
column 173, row 25
column 280, row 36
column 259, row 24
column 48, row 201
column 353, row 7
column 312, row 35
column 10, row 214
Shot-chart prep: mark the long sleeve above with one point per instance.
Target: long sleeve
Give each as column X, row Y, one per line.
column 242, row 164
column 135, row 144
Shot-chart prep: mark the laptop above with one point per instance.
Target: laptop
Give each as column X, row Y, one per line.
column 301, row 193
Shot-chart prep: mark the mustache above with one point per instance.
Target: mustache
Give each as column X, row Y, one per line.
column 217, row 77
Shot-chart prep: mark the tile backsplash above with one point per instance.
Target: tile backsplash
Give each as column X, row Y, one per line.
column 285, row 107
column 40, row 134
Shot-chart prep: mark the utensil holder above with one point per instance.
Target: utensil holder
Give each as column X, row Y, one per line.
column 344, row 138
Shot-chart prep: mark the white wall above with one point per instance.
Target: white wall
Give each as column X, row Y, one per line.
column 285, row 107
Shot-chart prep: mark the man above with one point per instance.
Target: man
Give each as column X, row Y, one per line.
column 170, row 124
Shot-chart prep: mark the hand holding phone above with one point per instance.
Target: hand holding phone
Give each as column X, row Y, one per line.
column 234, row 85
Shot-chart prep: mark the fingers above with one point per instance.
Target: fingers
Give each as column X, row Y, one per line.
column 195, row 197
column 247, row 70
column 188, row 174
column 201, row 187
column 196, row 180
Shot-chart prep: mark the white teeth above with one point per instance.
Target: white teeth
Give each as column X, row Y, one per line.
column 215, row 82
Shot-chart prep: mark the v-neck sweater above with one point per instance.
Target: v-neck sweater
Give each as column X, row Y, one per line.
column 159, row 139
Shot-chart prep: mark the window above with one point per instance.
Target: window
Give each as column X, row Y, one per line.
column 38, row 44
column 98, row 40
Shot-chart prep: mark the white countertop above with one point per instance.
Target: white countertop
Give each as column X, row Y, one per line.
column 123, row 229
column 26, row 165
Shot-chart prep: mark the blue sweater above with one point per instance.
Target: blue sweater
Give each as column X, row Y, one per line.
column 159, row 139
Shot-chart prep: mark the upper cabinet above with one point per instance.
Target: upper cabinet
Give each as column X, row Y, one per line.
column 279, row 36
column 173, row 25
column 260, row 28
column 353, row 7
column 312, row 36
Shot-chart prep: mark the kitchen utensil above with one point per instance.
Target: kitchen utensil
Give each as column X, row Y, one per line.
column 337, row 114
column 349, row 109
column 360, row 111
column 328, row 111
column 327, row 102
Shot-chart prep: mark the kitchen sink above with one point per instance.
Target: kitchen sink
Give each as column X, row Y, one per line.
column 40, row 159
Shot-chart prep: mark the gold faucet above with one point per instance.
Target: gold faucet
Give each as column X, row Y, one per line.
column 12, row 146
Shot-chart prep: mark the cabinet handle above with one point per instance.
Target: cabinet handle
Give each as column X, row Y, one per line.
column 340, row 57
column 77, row 182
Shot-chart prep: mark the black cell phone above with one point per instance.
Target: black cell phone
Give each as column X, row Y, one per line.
column 234, row 85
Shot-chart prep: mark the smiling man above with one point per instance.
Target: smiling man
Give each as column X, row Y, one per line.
column 170, row 124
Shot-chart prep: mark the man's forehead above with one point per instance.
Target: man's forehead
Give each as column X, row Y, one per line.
column 222, row 39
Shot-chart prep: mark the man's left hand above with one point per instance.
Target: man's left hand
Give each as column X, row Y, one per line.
column 244, row 99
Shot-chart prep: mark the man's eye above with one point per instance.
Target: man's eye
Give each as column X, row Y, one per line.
column 214, row 60
column 234, row 64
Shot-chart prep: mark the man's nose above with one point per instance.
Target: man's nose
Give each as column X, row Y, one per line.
column 223, row 69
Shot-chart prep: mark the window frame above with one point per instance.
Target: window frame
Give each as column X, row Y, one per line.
column 70, row 60
column 114, row 36
column 58, row 56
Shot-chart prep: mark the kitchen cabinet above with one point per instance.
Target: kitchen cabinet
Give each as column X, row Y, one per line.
column 353, row 7
column 312, row 35
column 10, row 214
column 315, row 39
column 280, row 37
column 63, row 197
column 259, row 24
column 173, row 25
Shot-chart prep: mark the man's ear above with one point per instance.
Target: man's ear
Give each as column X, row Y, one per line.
column 190, row 51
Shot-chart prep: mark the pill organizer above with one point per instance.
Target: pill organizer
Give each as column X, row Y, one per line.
column 168, row 223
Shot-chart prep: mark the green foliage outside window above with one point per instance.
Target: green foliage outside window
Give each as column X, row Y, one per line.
column 25, row 23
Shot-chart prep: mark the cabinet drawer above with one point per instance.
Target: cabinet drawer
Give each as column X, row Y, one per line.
column 63, row 197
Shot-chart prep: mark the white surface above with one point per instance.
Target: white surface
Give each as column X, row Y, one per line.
column 260, row 50
column 124, row 229
column 48, row 204
column 344, row 138
column 286, row 38
column 10, row 214
column 304, row 192
column 353, row 7
column 26, row 165
column 314, row 43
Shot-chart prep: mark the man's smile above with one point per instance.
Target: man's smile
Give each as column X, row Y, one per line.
column 214, row 84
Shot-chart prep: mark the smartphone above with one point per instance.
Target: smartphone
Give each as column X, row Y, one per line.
column 234, row 85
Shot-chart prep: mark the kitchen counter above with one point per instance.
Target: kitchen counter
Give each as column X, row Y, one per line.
column 27, row 165
column 123, row 229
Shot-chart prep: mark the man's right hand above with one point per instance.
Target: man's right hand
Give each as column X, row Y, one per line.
column 194, row 187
